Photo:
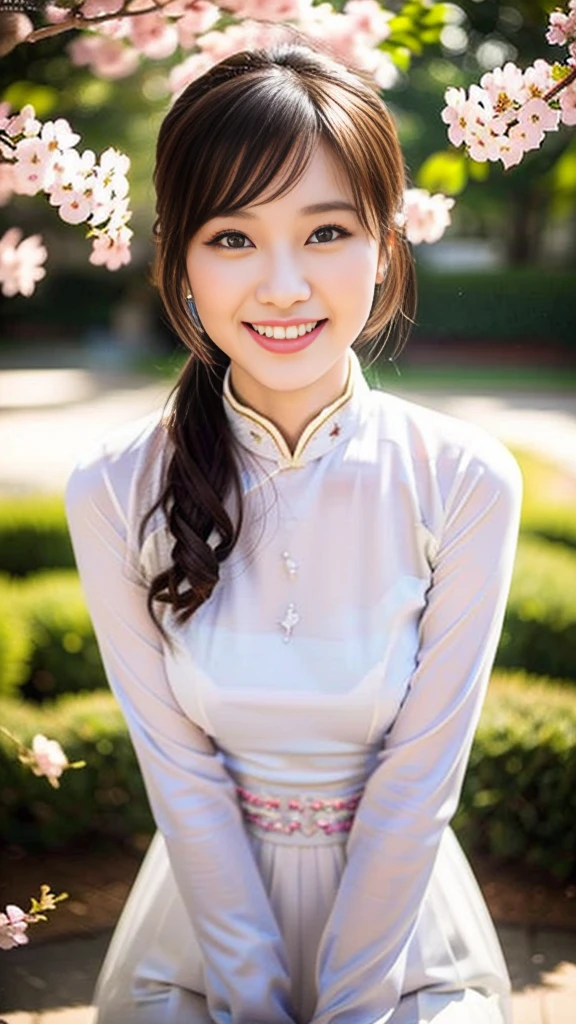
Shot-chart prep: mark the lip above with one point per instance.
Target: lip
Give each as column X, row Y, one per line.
column 285, row 346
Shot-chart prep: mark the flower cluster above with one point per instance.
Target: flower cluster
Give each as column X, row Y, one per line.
column 424, row 217
column 511, row 110
column 21, row 262
column 113, row 48
column 43, row 158
column 14, row 922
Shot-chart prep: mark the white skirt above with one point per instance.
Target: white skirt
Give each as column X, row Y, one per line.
column 455, row 974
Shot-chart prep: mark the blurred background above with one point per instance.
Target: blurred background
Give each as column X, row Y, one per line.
column 494, row 342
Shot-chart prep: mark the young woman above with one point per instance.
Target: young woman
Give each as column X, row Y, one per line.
column 297, row 585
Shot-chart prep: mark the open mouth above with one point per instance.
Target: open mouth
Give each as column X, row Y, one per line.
column 285, row 333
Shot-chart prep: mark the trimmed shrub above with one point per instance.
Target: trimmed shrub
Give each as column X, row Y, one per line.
column 491, row 306
column 55, row 650
column 519, row 797
column 549, row 505
column 539, row 633
column 106, row 798
column 518, row 801
column 15, row 643
column 33, row 535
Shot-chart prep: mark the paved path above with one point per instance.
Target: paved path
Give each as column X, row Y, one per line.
column 52, row 982
column 47, row 417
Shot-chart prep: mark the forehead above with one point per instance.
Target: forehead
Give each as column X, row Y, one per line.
column 322, row 178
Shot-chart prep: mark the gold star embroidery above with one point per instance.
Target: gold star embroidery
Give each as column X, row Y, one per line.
column 255, row 436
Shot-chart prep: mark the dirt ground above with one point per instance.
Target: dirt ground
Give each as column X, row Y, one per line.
column 98, row 880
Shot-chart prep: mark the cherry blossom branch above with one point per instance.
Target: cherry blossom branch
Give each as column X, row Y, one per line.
column 562, row 84
column 15, row 921
column 78, row 21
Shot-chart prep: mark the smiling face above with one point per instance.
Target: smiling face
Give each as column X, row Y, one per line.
column 281, row 266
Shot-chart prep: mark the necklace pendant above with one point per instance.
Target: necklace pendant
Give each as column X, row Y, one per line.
column 290, row 564
column 290, row 620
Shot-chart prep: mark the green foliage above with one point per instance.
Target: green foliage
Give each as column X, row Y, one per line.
column 519, row 797
column 518, row 801
column 106, row 798
column 444, row 171
column 539, row 631
column 549, row 505
column 33, row 535
column 492, row 306
column 14, row 641
column 56, row 648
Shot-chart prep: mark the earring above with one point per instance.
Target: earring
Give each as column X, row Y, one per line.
column 193, row 311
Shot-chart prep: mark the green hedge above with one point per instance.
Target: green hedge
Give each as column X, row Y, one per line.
column 539, row 633
column 493, row 306
column 518, row 801
column 50, row 647
column 549, row 505
column 106, row 798
column 33, row 535
column 519, row 798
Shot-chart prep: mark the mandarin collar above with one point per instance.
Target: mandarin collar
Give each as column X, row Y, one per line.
column 334, row 424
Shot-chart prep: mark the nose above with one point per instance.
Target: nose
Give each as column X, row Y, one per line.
column 283, row 282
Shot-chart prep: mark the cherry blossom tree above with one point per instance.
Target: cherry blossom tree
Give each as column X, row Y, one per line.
column 509, row 113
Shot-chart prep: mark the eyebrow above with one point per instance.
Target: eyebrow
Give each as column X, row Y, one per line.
column 328, row 207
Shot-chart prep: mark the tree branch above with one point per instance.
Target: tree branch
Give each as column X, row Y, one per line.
column 77, row 21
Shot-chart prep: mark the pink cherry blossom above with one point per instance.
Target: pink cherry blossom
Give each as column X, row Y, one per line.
column 425, row 217
column 195, row 21
column 568, row 105
column 56, row 14
column 268, row 10
column 93, row 8
column 153, row 35
column 509, row 150
column 20, row 262
column 182, row 74
column 25, row 123
column 538, row 78
column 49, row 758
column 527, row 134
column 6, row 183
column 455, row 114
column 368, row 20
column 13, row 925
column 107, row 58
column 111, row 251
column 557, row 31
column 506, row 89
column 482, row 142
column 33, row 164
column 539, row 114
column 58, row 135
column 75, row 207
column 112, row 170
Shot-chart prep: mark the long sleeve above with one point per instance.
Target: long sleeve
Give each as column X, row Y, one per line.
column 191, row 794
column 414, row 790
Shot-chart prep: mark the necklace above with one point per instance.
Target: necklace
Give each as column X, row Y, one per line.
column 291, row 616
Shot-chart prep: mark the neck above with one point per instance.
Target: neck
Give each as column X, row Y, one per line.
column 291, row 411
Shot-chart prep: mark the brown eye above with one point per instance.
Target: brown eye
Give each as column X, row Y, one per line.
column 330, row 233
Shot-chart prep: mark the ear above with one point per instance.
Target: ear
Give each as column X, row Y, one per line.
column 384, row 258
column 381, row 271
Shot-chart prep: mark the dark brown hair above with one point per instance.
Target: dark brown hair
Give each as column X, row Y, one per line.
column 248, row 127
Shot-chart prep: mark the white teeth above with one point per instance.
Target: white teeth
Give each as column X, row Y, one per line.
column 282, row 333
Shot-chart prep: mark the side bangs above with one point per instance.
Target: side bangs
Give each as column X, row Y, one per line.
column 266, row 138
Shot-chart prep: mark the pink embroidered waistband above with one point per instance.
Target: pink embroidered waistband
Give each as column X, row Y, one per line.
column 307, row 816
